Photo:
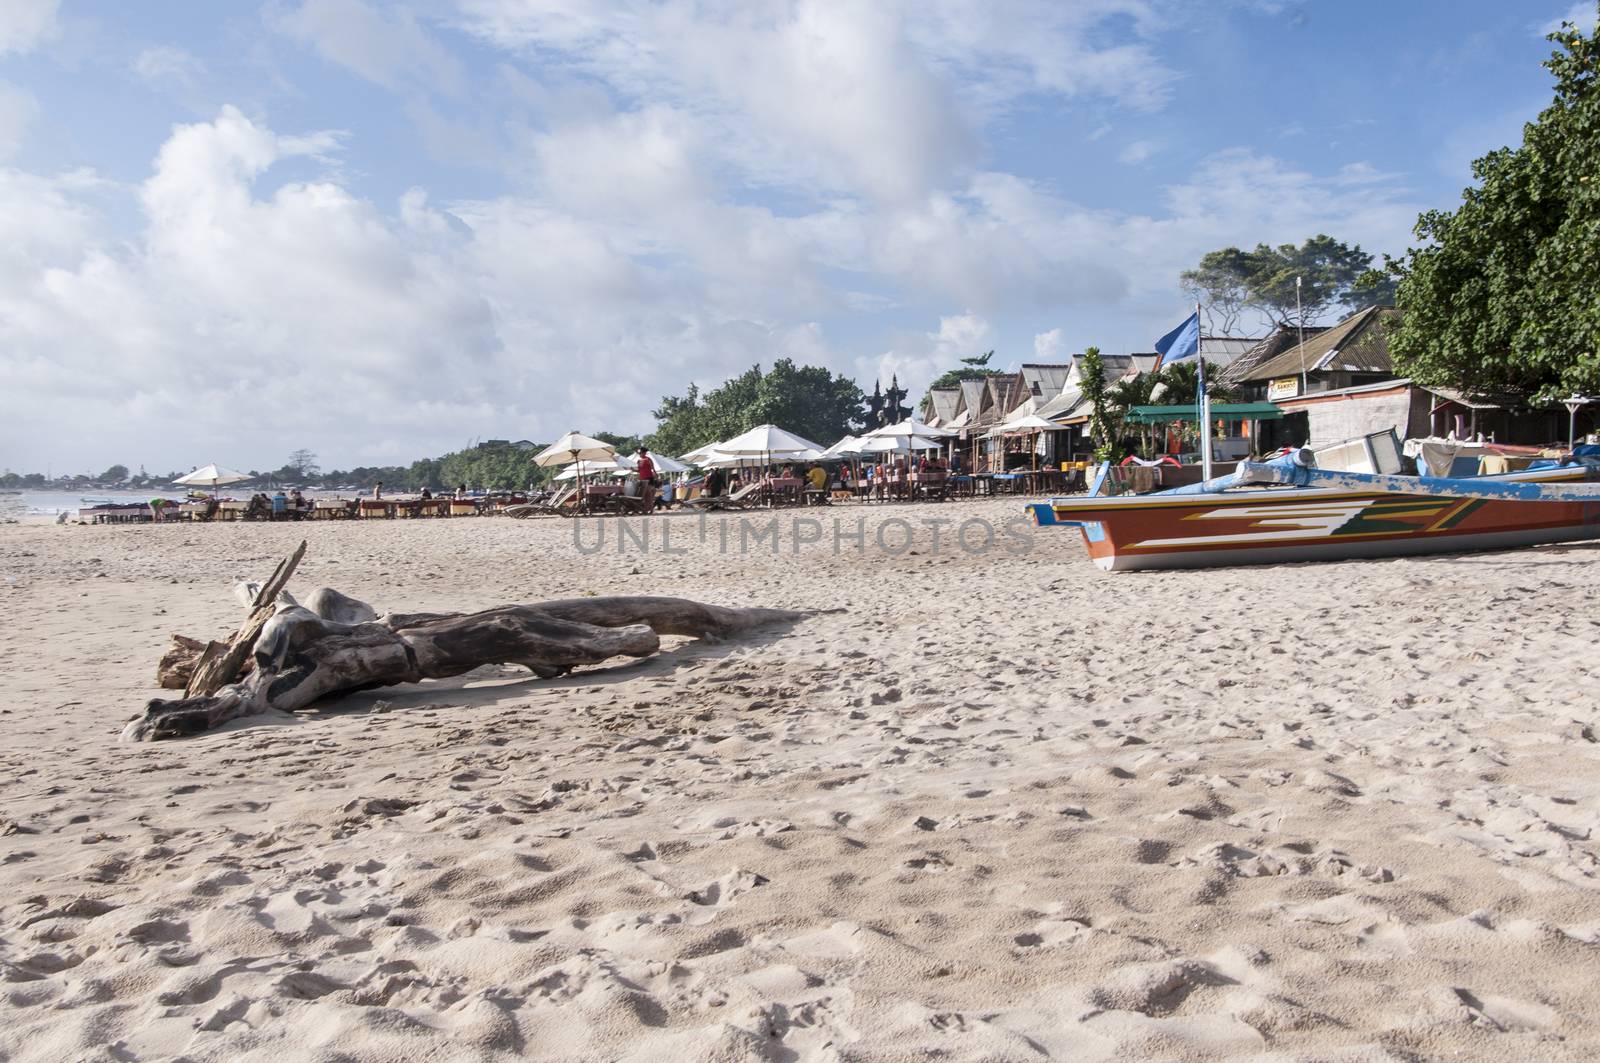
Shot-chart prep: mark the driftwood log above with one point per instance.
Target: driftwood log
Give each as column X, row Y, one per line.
column 288, row 655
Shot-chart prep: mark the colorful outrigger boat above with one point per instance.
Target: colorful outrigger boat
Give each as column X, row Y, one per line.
column 1292, row 511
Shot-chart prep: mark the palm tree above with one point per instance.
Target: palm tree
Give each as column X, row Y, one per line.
column 1182, row 380
column 1181, row 386
column 1123, row 396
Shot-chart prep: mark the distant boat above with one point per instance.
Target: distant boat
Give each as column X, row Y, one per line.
column 1322, row 515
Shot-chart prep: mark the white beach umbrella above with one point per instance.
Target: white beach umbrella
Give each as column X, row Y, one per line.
column 574, row 447
column 898, row 444
column 627, row 463
column 213, row 476
column 846, row 447
column 592, row 468
column 769, row 441
column 911, row 428
column 671, row 466
column 698, row 455
column 716, row 459
column 1031, row 423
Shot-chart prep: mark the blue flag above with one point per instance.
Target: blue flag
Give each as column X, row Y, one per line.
column 1182, row 342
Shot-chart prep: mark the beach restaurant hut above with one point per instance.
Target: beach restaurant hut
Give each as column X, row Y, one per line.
column 1031, row 426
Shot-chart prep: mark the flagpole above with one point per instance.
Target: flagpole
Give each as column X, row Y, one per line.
column 1205, row 403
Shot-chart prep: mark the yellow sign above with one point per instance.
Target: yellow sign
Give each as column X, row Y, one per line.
column 1285, row 387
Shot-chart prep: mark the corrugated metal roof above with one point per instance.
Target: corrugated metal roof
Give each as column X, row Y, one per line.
column 1222, row 351
column 943, row 403
column 1045, row 381
column 1062, row 405
column 1358, row 344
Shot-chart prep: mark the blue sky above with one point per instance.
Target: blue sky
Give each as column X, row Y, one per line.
column 382, row 230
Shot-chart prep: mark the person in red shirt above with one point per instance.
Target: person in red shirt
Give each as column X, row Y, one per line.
column 647, row 480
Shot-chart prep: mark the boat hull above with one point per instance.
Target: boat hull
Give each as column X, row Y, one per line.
column 1264, row 527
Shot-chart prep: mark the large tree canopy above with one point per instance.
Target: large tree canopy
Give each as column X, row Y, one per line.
column 1231, row 282
column 1504, row 296
column 805, row 399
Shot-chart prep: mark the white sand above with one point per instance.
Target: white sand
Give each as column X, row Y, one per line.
column 1003, row 808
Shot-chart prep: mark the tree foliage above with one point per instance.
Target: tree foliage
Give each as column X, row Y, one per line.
column 807, row 400
column 1504, row 293
column 1232, row 282
column 973, row 368
column 1092, row 386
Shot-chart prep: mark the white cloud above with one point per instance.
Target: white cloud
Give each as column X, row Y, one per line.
column 389, row 47
column 1136, row 152
column 1049, row 346
column 917, row 357
column 694, row 190
column 168, row 64
column 1582, row 14
column 18, row 110
column 26, row 24
column 882, row 101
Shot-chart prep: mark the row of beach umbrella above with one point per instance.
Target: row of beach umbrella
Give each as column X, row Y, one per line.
column 763, row 445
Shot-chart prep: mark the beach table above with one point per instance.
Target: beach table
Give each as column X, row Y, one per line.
column 782, row 490
column 331, row 509
column 982, row 483
column 929, row 485
column 375, row 508
column 462, row 507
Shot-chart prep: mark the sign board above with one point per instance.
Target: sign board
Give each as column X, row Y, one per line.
column 1285, row 387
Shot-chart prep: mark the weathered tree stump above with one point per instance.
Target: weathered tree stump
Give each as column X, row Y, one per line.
column 302, row 654
column 221, row 663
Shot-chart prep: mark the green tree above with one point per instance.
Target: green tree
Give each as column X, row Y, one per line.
column 808, row 400
column 1504, row 293
column 304, row 464
column 1229, row 282
column 974, row 368
column 1092, row 386
column 679, row 424
column 115, row 474
column 624, row 444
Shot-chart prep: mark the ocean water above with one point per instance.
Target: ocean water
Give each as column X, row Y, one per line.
column 48, row 503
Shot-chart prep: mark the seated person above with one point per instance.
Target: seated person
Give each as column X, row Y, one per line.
column 713, row 484
column 280, row 505
column 817, row 478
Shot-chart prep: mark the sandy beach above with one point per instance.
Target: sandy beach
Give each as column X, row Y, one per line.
column 1003, row 806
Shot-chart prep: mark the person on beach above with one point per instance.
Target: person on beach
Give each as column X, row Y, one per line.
column 646, row 469
column 377, row 490
column 298, row 503
column 711, row 487
column 280, row 505
column 818, row 478
column 461, row 493
column 427, row 495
